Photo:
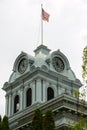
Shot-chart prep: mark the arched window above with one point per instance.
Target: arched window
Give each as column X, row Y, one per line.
column 50, row 93
column 28, row 97
column 16, row 103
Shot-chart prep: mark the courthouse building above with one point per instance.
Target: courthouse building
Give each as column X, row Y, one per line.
column 44, row 81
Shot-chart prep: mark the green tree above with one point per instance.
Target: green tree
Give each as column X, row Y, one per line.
column 84, row 66
column 84, row 74
column 5, row 123
column 0, row 122
column 82, row 123
column 37, row 122
column 49, row 123
column 41, row 122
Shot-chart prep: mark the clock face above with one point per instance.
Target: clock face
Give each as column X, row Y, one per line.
column 22, row 65
column 58, row 64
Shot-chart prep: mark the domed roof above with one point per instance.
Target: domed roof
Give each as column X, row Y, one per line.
column 44, row 60
column 21, row 56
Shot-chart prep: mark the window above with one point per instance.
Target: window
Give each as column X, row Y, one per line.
column 28, row 97
column 16, row 103
column 50, row 93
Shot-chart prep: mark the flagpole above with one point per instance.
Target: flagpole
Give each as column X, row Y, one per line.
column 41, row 25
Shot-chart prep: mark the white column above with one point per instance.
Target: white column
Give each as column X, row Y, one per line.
column 9, row 108
column 6, row 105
column 33, row 92
column 21, row 98
column 13, row 95
column 44, row 91
column 38, row 90
column 24, row 96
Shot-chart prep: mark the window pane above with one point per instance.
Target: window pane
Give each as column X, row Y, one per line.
column 50, row 93
column 16, row 104
column 29, row 97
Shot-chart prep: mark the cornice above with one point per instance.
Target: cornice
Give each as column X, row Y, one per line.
column 60, row 105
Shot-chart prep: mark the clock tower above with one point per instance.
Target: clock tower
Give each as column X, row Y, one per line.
column 44, row 81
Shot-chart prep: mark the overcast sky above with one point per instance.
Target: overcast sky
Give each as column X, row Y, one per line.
column 20, row 31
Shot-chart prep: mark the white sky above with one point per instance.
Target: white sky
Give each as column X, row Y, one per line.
column 20, row 31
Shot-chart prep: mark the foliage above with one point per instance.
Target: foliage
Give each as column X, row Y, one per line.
column 49, row 123
column 84, row 74
column 76, row 93
column 41, row 122
column 80, row 125
column 5, row 123
column 84, row 66
column 37, row 122
column 0, row 122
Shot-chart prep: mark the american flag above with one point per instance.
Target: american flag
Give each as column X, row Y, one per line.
column 45, row 15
